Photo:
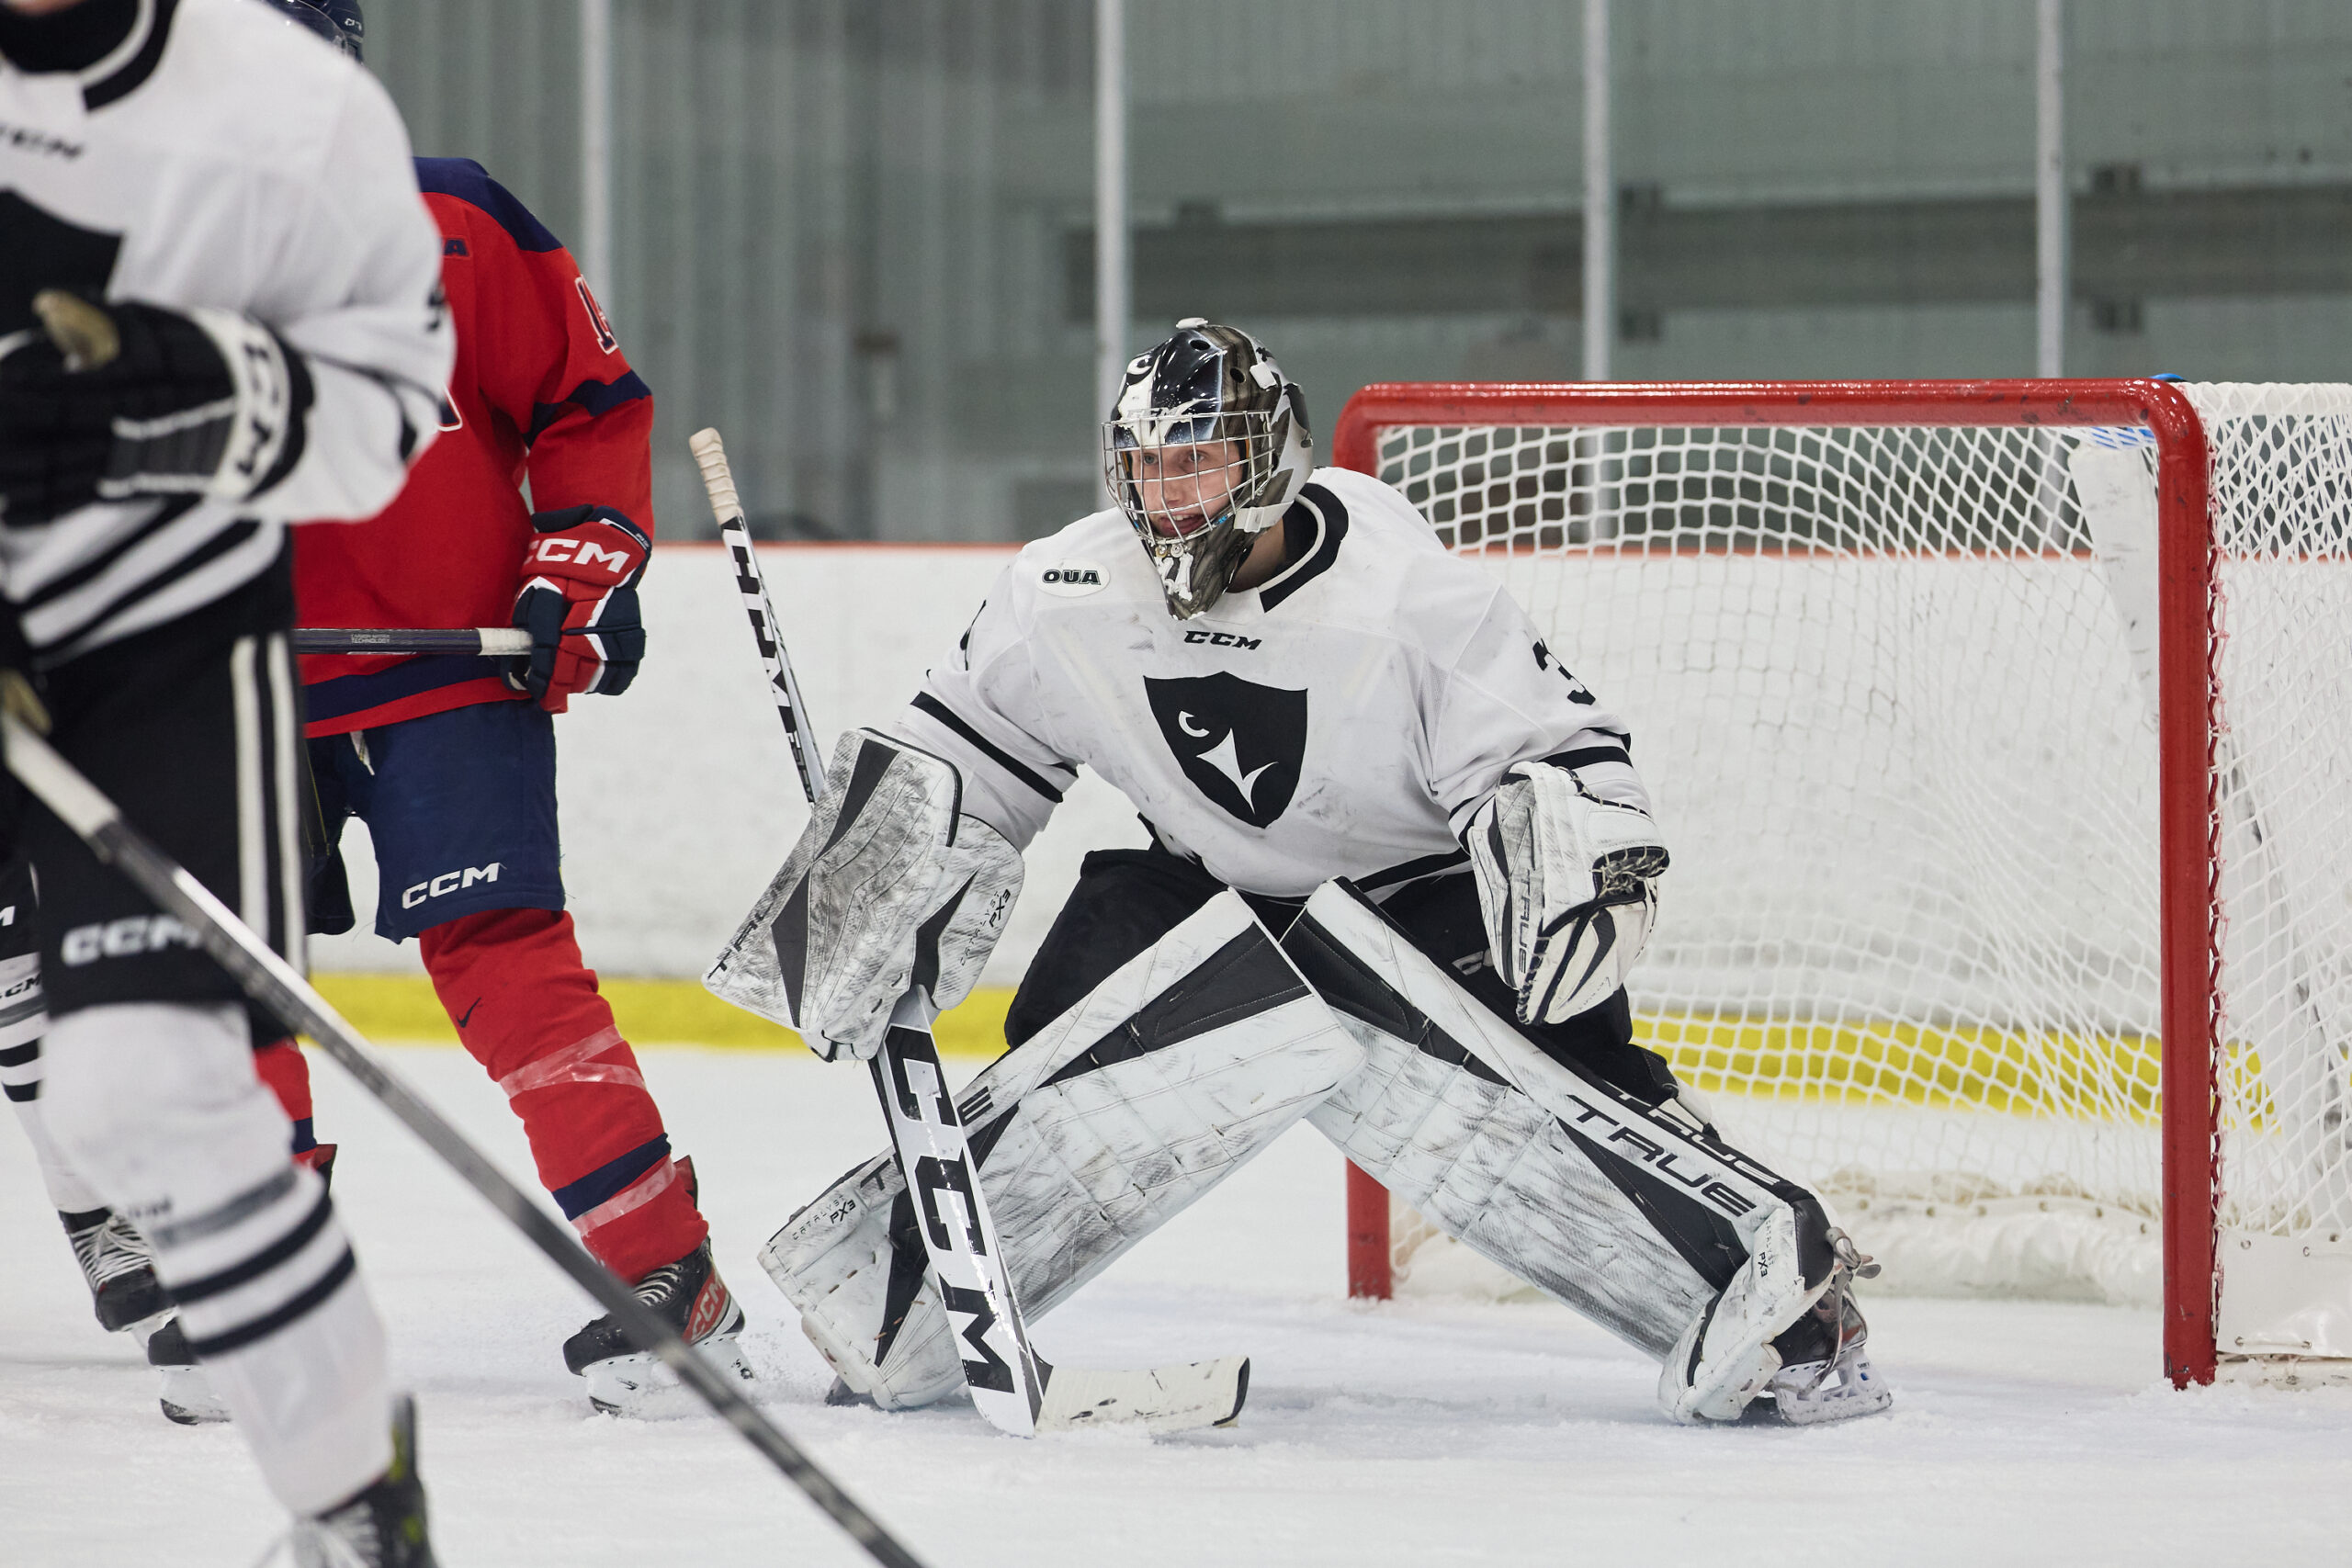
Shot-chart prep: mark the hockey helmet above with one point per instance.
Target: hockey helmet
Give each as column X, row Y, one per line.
column 1204, row 449
column 337, row 21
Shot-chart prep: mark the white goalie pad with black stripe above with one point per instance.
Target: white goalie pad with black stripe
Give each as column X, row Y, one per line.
column 1634, row 1216
column 1168, row 1078
column 890, row 887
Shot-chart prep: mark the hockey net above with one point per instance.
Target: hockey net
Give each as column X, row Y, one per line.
column 1890, row 655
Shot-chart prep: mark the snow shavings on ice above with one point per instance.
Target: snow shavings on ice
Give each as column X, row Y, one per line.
column 1411, row 1433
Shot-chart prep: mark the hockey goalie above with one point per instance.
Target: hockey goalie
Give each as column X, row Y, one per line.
column 1400, row 865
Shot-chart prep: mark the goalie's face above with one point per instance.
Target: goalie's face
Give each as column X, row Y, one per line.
column 1183, row 486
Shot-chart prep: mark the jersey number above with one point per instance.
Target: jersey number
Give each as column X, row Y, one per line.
column 1544, row 661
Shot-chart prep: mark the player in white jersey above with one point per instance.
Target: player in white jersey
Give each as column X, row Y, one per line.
column 1367, row 781
column 220, row 311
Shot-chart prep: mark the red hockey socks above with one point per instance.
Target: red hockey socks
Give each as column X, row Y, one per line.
column 527, row 1008
column 285, row 1073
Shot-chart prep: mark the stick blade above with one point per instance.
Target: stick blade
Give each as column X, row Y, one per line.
column 1162, row 1399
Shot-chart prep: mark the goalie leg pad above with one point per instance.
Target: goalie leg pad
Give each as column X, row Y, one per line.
column 1634, row 1215
column 1167, row 1077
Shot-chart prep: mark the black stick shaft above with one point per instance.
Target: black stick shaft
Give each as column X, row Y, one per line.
column 496, row 641
column 271, row 981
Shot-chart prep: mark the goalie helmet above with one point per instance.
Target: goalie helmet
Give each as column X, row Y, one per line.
column 337, row 21
column 1205, row 447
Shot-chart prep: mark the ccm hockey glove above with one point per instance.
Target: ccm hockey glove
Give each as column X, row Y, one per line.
column 579, row 603
column 1569, row 885
column 107, row 403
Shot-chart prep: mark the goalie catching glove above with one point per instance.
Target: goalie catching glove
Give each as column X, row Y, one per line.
column 579, row 603
column 1567, row 883
column 890, row 889
column 113, row 402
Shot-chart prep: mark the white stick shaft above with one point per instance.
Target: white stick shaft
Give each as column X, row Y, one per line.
column 959, row 1236
column 927, row 1136
column 727, row 506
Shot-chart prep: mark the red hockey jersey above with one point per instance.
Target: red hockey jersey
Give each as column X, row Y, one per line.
column 541, row 390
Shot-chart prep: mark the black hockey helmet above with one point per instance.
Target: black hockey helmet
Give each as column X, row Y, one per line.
column 1205, row 447
column 337, row 21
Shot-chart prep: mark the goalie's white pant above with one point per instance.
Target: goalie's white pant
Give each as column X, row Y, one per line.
column 156, row 1103
column 1638, row 1217
column 1165, row 1079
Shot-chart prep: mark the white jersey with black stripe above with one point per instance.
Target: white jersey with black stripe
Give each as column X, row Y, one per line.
column 217, row 157
column 1344, row 719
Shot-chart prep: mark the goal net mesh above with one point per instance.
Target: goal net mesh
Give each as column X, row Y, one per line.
column 1892, row 689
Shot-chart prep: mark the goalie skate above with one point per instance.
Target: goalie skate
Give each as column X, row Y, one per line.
column 1825, row 1374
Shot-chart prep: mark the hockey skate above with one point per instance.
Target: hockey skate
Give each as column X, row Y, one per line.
column 188, row 1398
column 119, row 1268
column 690, row 1296
column 383, row 1527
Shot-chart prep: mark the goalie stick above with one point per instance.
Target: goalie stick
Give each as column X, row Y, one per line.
column 269, row 980
column 495, row 641
column 1014, row 1389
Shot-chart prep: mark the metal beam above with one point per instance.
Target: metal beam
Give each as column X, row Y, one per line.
column 595, row 251
column 2050, row 206
column 1111, row 257
column 1600, row 198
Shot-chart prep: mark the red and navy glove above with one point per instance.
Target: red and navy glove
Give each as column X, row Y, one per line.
column 579, row 603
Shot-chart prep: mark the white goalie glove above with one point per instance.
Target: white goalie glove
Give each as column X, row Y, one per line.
column 1569, row 885
column 891, row 888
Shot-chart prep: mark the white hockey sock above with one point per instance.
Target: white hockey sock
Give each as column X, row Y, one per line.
column 159, row 1105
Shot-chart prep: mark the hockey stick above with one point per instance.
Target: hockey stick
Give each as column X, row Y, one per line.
column 495, row 641
column 269, row 980
column 1014, row 1389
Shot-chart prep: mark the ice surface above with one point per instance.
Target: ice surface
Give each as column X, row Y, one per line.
column 1411, row 1433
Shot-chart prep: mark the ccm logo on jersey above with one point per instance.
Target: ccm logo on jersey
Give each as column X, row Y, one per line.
column 1071, row 580
column 126, row 938
column 449, row 882
column 580, row 552
column 1223, row 639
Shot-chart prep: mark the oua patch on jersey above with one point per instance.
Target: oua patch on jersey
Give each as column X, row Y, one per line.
column 1071, row 578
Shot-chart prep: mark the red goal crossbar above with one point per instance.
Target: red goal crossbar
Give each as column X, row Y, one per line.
column 2189, row 807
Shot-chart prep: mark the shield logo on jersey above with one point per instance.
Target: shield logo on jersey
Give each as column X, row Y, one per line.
column 1240, row 743
column 44, row 250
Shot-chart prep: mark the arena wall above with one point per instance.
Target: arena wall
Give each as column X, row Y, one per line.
column 678, row 798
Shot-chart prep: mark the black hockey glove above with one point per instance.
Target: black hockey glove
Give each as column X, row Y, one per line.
column 112, row 402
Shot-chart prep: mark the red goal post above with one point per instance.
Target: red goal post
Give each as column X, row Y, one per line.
column 2188, row 809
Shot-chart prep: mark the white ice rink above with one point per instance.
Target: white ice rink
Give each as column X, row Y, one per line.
column 1413, row 1434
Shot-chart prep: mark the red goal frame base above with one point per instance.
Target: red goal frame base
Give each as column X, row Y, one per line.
column 2189, row 807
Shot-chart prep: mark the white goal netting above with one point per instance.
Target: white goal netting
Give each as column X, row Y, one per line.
column 1892, row 689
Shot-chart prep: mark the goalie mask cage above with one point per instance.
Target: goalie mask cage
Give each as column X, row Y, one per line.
column 2002, row 736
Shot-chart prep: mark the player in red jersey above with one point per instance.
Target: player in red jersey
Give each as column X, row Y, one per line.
column 451, row 759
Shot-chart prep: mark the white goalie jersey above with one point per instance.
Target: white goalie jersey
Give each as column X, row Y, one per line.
column 1345, row 719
